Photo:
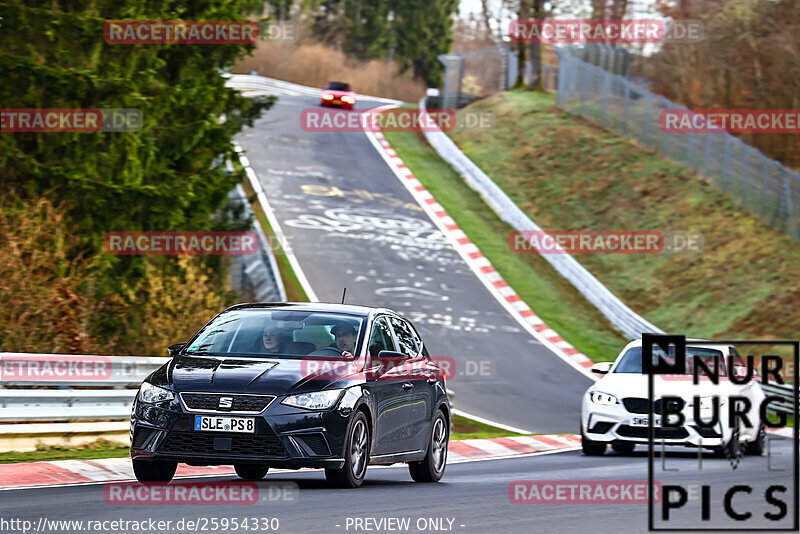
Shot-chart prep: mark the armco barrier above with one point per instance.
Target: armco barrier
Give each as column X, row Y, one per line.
column 618, row 314
column 76, row 416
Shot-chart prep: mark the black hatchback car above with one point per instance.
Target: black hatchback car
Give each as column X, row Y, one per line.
column 295, row 385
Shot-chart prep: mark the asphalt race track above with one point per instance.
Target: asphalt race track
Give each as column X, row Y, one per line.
column 473, row 495
column 351, row 223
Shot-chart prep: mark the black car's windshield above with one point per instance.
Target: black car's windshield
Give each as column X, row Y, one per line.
column 632, row 360
column 338, row 86
column 279, row 333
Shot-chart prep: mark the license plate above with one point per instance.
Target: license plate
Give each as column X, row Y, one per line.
column 211, row 423
column 642, row 421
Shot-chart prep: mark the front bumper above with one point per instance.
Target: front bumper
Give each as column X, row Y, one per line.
column 615, row 423
column 284, row 437
column 338, row 103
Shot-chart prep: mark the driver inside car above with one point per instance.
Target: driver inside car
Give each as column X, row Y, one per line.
column 271, row 340
column 344, row 339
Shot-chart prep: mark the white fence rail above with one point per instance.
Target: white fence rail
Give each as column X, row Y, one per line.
column 42, row 387
column 785, row 392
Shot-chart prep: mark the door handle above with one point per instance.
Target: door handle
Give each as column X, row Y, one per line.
column 408, row 385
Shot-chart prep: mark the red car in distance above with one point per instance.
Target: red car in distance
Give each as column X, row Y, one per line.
column 338, row 94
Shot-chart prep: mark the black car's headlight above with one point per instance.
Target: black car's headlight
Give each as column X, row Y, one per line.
column 317, row 400
column 151, row 394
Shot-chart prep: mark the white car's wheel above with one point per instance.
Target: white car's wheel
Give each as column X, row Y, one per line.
column 757, row 446
column 733, row 449
column 623, row 447
column 592, row 448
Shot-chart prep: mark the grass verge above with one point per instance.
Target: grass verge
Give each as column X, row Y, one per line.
column 100, row 449
column 464, row 428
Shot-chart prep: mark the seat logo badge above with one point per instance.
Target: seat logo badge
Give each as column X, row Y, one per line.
column 226, row 402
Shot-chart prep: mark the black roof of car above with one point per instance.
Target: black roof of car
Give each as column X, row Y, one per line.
column 314, row 306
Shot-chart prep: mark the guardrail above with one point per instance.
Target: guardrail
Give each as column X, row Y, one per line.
column 257, row 275
column 786, row 394
column 617, row 312
column 111, row 383
column 57, row 412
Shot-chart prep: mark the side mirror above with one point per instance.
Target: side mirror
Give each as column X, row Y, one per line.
column 391, row 356
column 175, row 349
column 601, row 368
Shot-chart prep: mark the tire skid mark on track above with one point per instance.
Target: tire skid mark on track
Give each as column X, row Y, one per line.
column 79, row 472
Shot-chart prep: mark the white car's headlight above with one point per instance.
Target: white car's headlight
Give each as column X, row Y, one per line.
column 149, row 393
column 603, row 399
column 318, row 400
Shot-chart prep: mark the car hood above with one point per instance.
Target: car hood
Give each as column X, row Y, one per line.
column 635, row 385
column 269, row 375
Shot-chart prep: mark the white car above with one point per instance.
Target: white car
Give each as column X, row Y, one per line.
column 615, row 409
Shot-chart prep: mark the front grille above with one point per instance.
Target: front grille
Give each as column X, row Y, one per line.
column 707, row 432
column 210, row 402
column 261, row 446
column 658, row 432
column 140, row 435
column 640, row 405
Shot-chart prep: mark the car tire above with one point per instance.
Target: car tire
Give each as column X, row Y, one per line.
column 431, row 468
column 251, row 471
column 154, row 470
column 732, row 449
column 592, row 448
column 356, row 455
column 756, row 447
column 623, row 447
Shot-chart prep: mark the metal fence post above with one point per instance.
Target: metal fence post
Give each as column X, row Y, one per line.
column 708, row 155
column 583, row 86
column 563, row 76
column 605, row 98
column 764, row 176
column 786, row 205
column 745, row 174
column 726, row 162
column 665, row 145
column 646, row 117
column 627, row 108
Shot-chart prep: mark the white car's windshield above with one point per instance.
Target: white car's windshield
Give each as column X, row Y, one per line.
column 273, row 333
column 632, row 360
